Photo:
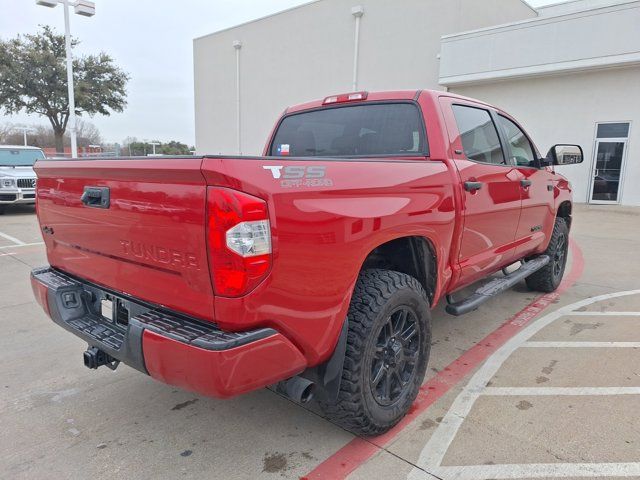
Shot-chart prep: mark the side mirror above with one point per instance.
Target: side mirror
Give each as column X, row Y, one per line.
column 565, row 155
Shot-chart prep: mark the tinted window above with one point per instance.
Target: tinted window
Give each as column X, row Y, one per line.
column 19, row 157
column 521, row 149
column 373, row 129
column 478, row 135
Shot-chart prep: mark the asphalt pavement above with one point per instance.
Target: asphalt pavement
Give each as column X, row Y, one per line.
column 528, row 386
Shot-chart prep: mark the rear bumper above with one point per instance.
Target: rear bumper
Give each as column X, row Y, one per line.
column 172, row 348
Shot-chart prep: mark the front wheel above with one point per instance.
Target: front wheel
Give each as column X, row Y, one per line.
column 548, row 278
column 388, row 344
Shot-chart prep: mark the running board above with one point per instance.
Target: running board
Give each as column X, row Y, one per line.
column 496, row 286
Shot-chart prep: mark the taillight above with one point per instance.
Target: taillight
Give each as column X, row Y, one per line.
column 239, row 238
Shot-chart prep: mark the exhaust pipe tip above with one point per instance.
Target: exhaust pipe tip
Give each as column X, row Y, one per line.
column 299, row 389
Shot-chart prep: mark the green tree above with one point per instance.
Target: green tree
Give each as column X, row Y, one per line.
column 175, row 148
column 33, row 78
column 132, row 146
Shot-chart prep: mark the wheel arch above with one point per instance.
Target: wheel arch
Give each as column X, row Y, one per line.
column 564, row 211
column 412, row 255
column 420, row 263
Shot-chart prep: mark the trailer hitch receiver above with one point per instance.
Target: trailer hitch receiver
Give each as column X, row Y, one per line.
column 94, row 358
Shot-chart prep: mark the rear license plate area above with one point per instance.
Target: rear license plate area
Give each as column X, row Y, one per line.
column 106, row 309
column 115, row 310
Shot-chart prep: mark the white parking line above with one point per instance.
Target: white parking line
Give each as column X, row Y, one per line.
column 23, row 245
column 581, row 345
column 540, row 470
column 539, row 391
column 604, row 314
column 11, row 239
column 436, row 448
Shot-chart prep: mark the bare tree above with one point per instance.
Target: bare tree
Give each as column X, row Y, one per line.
column 6, row 130
column 41, row 136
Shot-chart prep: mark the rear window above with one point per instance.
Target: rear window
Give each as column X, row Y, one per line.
column 351, row 131
column 18, row 157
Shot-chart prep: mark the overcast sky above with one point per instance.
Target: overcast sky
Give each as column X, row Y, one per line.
column 152, row 40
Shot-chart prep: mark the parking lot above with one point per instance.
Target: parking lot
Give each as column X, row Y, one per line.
column 528, row 386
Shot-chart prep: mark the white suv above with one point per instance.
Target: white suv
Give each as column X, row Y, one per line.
column 17, row 178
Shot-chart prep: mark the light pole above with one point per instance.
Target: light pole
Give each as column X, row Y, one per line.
column 154, row 146
column 86, row 9
column 24, row 133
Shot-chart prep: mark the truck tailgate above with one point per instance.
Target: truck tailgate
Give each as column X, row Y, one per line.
column 148, row 242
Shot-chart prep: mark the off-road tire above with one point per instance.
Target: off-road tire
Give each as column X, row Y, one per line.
column 379, row 302
column 548, row 278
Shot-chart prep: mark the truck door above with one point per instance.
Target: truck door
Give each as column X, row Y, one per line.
column 536, row 189
column 491, row 191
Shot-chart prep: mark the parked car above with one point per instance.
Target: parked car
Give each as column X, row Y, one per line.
column 17, row 178
column 313, row 267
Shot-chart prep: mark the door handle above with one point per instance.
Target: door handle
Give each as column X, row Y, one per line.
column 525, row 183
column 472, row 186
column 96, row 197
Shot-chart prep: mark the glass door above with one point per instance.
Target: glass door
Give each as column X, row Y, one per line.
column 607, row 170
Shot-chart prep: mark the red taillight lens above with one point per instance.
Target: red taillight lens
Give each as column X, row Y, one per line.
column 239, row 238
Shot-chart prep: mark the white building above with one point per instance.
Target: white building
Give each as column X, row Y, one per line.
column 569, row 72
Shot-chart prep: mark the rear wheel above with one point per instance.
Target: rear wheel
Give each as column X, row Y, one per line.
column 388, row 345
column 3, row 208
column 548, row 278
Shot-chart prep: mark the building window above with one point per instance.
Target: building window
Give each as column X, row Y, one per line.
column 608, row 165
column 613, row 130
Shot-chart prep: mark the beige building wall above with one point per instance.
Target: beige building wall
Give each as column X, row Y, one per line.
column 307, row 53
column 566, row 108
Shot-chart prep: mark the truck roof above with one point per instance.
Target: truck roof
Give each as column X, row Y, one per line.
column 382, row 96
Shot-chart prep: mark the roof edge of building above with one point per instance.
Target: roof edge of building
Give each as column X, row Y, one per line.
column 544, row 70
column 539, row 19
column 527, row 4
column 265, row 17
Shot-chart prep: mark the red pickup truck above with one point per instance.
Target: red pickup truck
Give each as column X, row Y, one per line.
column 314, row 267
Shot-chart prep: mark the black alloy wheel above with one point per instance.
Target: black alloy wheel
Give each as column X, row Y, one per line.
column 395, row 357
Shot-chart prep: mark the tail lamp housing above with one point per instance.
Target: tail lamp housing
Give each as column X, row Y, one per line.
column 239, row 239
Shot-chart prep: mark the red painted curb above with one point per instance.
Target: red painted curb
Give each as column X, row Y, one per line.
column 358, row 450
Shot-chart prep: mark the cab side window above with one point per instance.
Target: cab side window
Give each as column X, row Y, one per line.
column 478, row 134
column 521, row 149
